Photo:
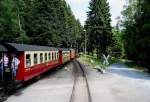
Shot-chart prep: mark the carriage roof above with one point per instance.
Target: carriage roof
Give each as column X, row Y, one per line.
column 65, row 49
column 26, row 47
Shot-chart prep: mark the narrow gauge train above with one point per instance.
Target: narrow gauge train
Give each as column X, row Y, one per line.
column 33, row 61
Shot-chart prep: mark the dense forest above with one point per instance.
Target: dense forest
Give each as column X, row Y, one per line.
column 136, row 31
column 129, row 39
column 52, row 23
column 41, row 22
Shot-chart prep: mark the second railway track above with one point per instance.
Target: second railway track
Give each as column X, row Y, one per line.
column 80, row 92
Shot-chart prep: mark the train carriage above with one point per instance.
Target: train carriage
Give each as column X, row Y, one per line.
column 65, row 55
column 33, row 60
column 37, row 62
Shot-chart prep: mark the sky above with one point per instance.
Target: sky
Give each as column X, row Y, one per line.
column 80, row 7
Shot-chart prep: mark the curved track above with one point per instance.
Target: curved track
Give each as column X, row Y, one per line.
column 80, row 92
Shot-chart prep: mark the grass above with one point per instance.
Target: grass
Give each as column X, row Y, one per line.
column 95, row 62
column 92, row 60
column 113, row 60
column 134, row 66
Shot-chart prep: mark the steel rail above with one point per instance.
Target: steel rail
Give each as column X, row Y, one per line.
column 80, row 71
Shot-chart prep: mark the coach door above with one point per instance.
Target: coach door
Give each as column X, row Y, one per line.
column 6, row 65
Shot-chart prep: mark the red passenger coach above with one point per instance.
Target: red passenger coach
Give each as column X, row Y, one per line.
column 32, row 61
column 65, row 55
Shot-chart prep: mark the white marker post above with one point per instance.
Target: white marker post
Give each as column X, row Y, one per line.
column 106, row 62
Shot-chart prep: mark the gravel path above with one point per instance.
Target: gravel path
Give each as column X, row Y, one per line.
column 54, row 87
column 119, row 84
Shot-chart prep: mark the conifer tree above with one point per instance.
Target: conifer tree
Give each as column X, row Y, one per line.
column 98, row 26
column 8, row 21
column 46, row 22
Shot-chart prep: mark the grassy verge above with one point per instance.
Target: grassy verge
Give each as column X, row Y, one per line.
column 113, row 60
column 90, row 60
column 93, row 61
column 134, row 66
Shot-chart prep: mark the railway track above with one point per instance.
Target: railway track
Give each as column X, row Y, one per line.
column 80, row 92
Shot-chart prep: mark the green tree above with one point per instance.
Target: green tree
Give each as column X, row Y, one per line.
column 8, row 21
column 115, row 49
column 11, row 21
column 46, row 22
column 98, row 26
column 136, row 35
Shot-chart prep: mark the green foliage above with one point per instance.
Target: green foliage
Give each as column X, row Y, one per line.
column 96, row 62
column 46, row 22
column 91, row 60
column 116, row 47
column 98, row 26
column 136, row 33
column 23, row 39
column 8, row 21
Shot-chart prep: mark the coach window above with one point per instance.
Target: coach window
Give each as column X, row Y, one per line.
column 56, row 55
column 45, row 57
column 35, row 59
column 68, row 54
column 52, row 56
column 41, row 57
column 28, row 60
column 65, row 54
column 49, row 56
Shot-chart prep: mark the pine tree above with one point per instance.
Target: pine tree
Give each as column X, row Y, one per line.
column 98, row 26
column 46, row 22
column 12, row 21
column 8, row 21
